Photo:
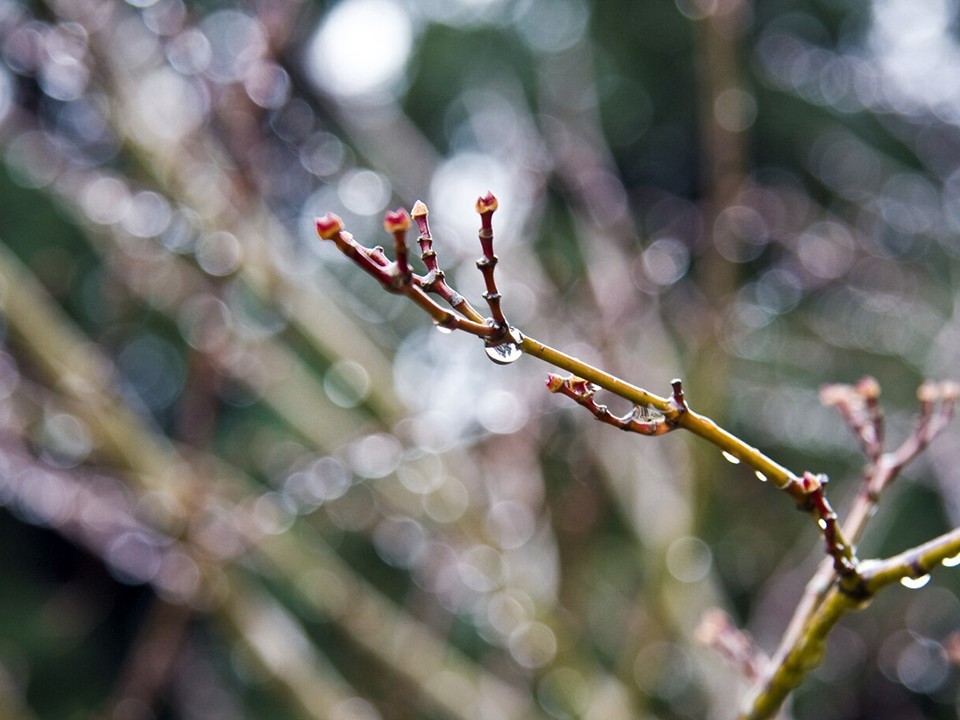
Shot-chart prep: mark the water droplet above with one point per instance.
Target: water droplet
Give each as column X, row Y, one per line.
column 506, row 352
column 822, row 523
column 951, row 561
column 760, row 476
column 731, row 458
column 915, row 583
column 443, row 328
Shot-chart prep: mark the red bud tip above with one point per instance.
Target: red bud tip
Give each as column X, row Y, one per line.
column 554, row 382
column 811, row 483
column 419, row 209
column 328, row 226
column 396, row 221
column 869, row 388
column 487, row 203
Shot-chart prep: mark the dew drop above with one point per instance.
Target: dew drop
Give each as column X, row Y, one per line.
column 915, row 583
column 822, row 523
column 443, row 328
column 731, row 458
column 503, row 354
column 951, row 561
column 760, row 476
column 506, row 352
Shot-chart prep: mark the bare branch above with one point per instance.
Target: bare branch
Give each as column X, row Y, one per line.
column 639, row 420
column 718, row 632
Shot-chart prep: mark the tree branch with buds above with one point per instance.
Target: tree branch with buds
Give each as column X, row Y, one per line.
column 843, row 581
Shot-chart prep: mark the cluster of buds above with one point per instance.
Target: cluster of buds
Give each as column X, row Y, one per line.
column 397, row 276
column 859, row 406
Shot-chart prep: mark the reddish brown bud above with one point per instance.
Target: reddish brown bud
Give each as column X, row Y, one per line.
column 869, row 388
column 328, row 226
column 396, row 221
column 419, row 209
column 554, row 382
column 487, row 203
column 581, row 387
column 811, row 483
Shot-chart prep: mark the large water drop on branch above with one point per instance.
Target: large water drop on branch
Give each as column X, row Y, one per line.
column 506, row 352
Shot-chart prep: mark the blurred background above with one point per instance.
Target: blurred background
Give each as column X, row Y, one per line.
column 241, row 481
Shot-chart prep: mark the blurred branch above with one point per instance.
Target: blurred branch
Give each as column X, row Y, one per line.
column 281, row 648
column 126, row 438
column 148, row 667
column 859, row 406
column 12, row 703
column 175, row 163
column 808, row 648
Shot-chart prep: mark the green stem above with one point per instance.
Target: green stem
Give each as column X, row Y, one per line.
column 807, row 652
column 699, row 425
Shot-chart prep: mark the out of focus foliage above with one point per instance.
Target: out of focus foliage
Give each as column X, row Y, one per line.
column 240, row 481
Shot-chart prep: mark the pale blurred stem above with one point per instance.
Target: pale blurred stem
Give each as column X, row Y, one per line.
column 258, row 622
column 173, row 165
column 724, row 150
column 13, row 706
column 124, row 438
column 882, row 470
column 809, row 646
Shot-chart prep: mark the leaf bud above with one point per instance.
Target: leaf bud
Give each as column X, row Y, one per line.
column 487, row 204
column 329, row 226
column 396, row 221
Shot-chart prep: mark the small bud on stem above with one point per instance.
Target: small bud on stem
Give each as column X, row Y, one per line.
column 434, row 281
column 329, row 226
column 397, row 222
column 486, row 205
column 397, row 277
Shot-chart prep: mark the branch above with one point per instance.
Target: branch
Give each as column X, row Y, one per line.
column 507, row 344
column 911, row 567
column 394, row 279
column 718, row 632
column 640, row 419
column 859, row 406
